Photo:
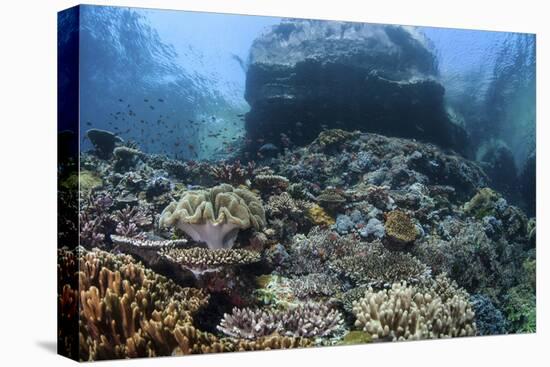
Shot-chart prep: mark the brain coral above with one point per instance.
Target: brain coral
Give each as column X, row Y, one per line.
column 215, row 215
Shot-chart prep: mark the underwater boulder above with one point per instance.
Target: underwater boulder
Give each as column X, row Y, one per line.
column 306, row 75
column 104, row 142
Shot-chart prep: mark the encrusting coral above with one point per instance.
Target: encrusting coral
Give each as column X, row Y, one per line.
column 216, row 215
column 319, row 216
column 303, row 320
column 400, row 228
column 406, row 312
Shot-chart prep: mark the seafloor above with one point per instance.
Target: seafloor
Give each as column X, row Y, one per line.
column 354, row 238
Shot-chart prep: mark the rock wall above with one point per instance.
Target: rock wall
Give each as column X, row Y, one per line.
column 305, row 76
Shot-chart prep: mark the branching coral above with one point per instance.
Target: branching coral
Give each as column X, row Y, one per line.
column 67, row 303
column 379, row 267
column 304, row 320
column 94, row 220
column 233, row 173
column 216, row 215
column 132, row 221
column 284, row 206
column 129, row 311
column 406, row 312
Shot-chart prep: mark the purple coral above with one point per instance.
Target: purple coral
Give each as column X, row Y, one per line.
column 94, row 219
column 132, row 222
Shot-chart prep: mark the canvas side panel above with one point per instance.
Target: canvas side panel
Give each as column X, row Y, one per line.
column 67, row 184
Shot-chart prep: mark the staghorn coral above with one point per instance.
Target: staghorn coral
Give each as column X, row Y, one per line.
column 303, row 320
column 377, row 266
column 216, row 215
column 129, row 311
column 400, row 228
column 406, row 312
column 200, row 259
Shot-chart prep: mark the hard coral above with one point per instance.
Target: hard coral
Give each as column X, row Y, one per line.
column 406, row 312
column 129, row 311
column 304, row 320
column 216, row 215
column 319, row 216
column 334, row 137
column 379, row 267
column 400, row 229
column 200, row 259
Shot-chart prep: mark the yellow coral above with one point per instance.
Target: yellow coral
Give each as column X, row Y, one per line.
column 319, row 216
column 400, row 227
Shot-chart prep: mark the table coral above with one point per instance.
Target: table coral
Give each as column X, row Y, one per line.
column 200, row 259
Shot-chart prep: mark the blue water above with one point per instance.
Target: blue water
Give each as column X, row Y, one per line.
column 174, row 81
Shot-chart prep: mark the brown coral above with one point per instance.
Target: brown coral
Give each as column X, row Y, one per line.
column 128, row 311
column 400, row 228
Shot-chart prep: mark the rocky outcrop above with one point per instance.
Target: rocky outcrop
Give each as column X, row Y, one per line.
column 307, row 75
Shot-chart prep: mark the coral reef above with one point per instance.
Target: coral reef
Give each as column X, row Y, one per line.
column 404, row 312
column 305, row 320
column 290, row 250
column 216, row 215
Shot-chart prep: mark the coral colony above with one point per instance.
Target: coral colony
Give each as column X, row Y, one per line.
column 355, row 232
